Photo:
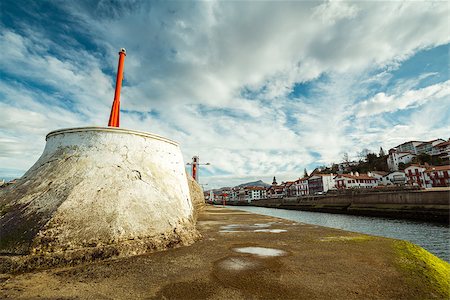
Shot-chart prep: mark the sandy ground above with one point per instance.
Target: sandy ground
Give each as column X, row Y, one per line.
column 241, row 256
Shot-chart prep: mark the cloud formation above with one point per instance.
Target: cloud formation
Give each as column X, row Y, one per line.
column 256, row 88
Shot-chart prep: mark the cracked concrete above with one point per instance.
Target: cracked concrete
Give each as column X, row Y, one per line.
column 94, row 189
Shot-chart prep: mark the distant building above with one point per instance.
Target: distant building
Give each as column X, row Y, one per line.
column 301, row 187
column 378, row 175
column 439, row 175
column 394, row 178
column 320, row 183
column 254, row 193
column 410, row 147
column 396, row 157
column 442, row 150
column 416, row 176
column 346, row 166
column 275, row 191
column 404, row 153
column 289, row 189
column 355, row 180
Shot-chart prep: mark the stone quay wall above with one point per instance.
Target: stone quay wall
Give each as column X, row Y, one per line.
column 421, row 205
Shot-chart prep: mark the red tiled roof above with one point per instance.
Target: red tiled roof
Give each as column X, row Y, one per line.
column 443, row 144
column 438, row 168
column 382, row 173
column 361, row 176
column 417, row 165
column 301, row 179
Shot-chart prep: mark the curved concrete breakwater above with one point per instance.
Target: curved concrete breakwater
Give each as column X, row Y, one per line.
column 95, row 193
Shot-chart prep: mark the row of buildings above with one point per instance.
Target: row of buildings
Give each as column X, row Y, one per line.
column 406, row 152
column 424, row 176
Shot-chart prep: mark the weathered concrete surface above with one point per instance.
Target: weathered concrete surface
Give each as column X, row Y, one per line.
column 97, row 192
column 197, row 197
column 301, row 262
column 422, row 205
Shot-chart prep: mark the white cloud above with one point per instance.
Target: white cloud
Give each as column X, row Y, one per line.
column 381, row 102
column 189, row 63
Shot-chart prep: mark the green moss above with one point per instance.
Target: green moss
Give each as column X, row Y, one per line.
column 423, row 268
column 356, row 238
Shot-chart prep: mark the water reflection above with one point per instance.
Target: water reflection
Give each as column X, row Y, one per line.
column 431, row 236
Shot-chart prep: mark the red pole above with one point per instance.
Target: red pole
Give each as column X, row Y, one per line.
column 194, row 168
column 115, row 109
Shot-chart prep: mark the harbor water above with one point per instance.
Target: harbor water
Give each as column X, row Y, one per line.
column 434, row 237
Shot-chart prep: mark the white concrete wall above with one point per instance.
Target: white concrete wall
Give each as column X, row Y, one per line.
column 108, row 186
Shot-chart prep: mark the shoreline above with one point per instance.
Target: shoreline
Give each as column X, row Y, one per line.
column 430, row 206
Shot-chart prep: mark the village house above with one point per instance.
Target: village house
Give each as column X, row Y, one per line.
column 301, row 187
column 396, row 157
column 427, row 147
column 442, row 150
column 394, row 178
column 409, row 147
column 416, row 176
column 378, row 175
column 438, row 175
column 289, row 189
column 355, row 180
column 254, row 193
column 320, row 183
column 275, row 191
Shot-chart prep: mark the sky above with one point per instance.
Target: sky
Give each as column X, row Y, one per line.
column 257, row 89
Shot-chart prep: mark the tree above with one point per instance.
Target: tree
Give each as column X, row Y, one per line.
column 381, row 152
column 345, row 157
column 334, row 168
column 401, row 166
column 305, row 173
column 371, row 158
column 363, row 154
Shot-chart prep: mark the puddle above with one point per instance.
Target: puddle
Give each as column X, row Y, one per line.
column 237, row 264
column 261, row 251
column 262, row 225
column 270, row 230
column 231, row 228
column 247, row 227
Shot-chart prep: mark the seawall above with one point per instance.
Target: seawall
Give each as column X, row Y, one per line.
column 420, row 205
column 96, row 193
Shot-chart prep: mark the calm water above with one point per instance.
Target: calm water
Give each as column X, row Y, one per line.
column 431, row 236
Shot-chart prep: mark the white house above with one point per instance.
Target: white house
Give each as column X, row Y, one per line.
column 396, row 157
column 409, row 147
column 378, row 175
column 416, row 176
column 320, row 183
column 394, row 178
column 442, row 149
column 439, row 175
column 254, row 193
column 301, row 186
column 355, row 180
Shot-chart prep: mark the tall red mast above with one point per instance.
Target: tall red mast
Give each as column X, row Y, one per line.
column 115, row 110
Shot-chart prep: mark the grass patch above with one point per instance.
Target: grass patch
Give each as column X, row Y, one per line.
column 425, row 269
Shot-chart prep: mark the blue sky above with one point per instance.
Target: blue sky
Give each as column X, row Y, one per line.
column 258, row 89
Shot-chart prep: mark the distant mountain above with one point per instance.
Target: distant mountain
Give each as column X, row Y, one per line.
column 254, row 183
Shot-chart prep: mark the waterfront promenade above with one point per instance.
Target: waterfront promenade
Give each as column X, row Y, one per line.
column 248, row 256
